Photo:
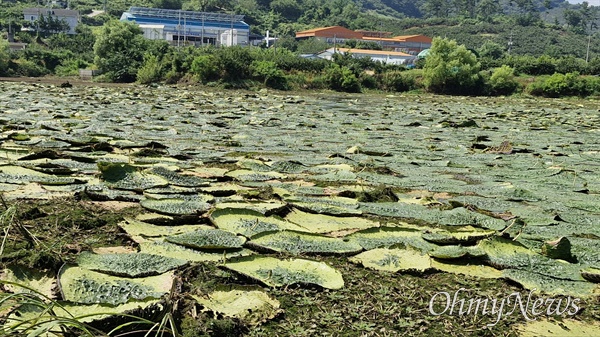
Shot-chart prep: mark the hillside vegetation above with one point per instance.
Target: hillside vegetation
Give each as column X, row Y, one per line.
column 532, row 38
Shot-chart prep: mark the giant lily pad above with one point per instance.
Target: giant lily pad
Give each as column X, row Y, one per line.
column 176, row 251
column 393, row 260
column 333, row 205
column 551, row 285
column 20, row 175
column 128, row 265
column 141, row 231
column 128, row 177
column 208, row 239
column 466, row 268
column 248, row 222
column 320, row 223
column 299, row 242
column 276, row 273
column 249, row 304
column 179, row 179
column 81, row 285
column 388, row 236
column 180, row 207
column 42, row 282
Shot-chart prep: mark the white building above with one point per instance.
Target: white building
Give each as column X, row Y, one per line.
column 387, row 57
column 71, row 17
column 190, row 28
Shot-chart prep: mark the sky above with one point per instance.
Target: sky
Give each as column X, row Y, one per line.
column 591, row 2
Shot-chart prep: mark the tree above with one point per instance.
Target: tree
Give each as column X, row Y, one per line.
column 168, row 4
column 466, row 7
column 119, row 50
column 437, row 8
column 4, row 56
column 289, row 9
column 48, row 24
column 492, row 50
column 451, row 68
column 311, row 46
column 486, row 9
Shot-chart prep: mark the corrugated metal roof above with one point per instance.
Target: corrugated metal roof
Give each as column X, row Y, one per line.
column 371, row 52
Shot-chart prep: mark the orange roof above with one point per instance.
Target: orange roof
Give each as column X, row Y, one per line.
column 372, row 52
column 403, row 38
column 413, row 38
column 389, row 39
column 339, row 31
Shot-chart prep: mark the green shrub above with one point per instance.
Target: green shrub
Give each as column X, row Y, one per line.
column 543, row 65
column 28, row 68
column 341, row 78
column 150, row 71
column 268, row 73
column 558, row 85
column 570, row 64
column 594, row 66
column 205, row 67
column 4, row 57
column 397, row 81
column 502, row 81
column 119, row 50
column 451, row 68
column 235, row 63
column 368, row 81
column 318, row 82
column 71, row 67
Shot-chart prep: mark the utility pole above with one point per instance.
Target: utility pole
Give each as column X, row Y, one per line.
column 510, row 42
column 587, row 53
column 231, row 30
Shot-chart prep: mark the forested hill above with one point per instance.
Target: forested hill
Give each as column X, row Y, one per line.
column 552, row 27
column 424, row 8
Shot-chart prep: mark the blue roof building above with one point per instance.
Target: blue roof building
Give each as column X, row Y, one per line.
column 181, row 27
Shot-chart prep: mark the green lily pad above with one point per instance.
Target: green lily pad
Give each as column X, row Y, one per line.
column 177, row 179
column 20, row 175
column 550, row 285
column 393, row 260
column 128, row 265
column 263, row 207
column 248, row 222
column 463, row 235
column 208, row 239
column 277, row 273
column 321, row 223
column 42, row 282
column 339, row 206
column 299, row 243
column 466, row 268
column 176, row 207
column 94, row 314
column 128, row 177
column 141, row 231
column 176, row 251
column 455, row 252
column 81, row 285
column 248, row 175
column 385, row 237
column 251, row 305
